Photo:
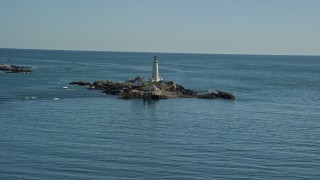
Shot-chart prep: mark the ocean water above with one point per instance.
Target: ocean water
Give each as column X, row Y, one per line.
column 271, row 131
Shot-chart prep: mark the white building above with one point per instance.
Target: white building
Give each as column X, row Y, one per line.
column 138, row 82
column 155, row 71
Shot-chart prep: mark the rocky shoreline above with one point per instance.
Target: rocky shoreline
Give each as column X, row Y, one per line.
column 152, row 90
column 14, row 69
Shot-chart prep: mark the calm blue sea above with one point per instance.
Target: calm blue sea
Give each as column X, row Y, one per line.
column 272, row 130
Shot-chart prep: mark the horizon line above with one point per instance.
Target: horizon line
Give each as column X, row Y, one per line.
column 118, row 51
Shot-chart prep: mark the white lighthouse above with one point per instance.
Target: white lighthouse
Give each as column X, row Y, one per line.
column 155, row 71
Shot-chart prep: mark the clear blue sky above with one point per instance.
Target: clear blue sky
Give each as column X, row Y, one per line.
column 194, row 26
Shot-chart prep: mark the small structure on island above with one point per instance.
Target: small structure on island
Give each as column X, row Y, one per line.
column 153, row 88
column 138, row 82
column 155, row 71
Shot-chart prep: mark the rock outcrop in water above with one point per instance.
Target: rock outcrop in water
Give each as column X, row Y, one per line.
column 217, row 94
column 81, row 83
column 160, row 90
column 14, row 69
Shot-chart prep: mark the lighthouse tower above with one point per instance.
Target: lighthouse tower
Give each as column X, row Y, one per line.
column 155, row 71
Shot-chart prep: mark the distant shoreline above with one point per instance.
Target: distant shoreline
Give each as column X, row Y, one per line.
column 159, row 52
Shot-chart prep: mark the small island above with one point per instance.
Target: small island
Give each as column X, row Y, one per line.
column 14, row 69
column 155, row 88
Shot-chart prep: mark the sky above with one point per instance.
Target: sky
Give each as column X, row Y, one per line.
column 289, row 27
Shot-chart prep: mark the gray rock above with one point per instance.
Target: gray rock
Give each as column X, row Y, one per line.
column 15, row 69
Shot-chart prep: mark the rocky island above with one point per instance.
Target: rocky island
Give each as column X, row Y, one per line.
column 155, row 88
column 14, row 69
column 151, row 90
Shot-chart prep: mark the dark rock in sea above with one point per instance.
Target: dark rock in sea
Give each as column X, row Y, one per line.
column 81, row 83
column 217, row 94
column 14, row 69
